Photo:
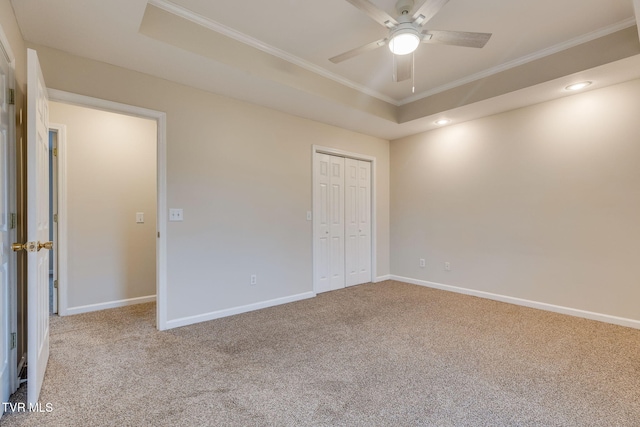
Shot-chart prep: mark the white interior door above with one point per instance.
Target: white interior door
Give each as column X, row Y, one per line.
column 37, row 227
column 5, row 233
column 358, row 221
column 364, row 222
column 342, row 221
column 337, row 223
column 329, row 224
column 351, row 222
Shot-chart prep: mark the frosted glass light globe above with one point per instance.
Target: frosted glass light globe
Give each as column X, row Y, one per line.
column 404, row 43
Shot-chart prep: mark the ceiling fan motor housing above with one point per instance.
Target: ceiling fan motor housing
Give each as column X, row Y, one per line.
column 406, row 30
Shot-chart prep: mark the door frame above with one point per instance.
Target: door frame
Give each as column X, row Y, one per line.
column 11, row 305
column 59, row 239
column 319, row 149
column 161, row 199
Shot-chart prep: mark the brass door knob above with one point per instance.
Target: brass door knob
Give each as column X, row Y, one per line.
column 31, row 246
column 45, row 245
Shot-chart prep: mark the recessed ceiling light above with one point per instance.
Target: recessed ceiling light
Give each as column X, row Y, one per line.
column 443, row 122
column 577, row 86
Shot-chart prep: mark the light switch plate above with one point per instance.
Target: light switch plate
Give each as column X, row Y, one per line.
column 309, row 217
column 140, row 217
column 175, row 214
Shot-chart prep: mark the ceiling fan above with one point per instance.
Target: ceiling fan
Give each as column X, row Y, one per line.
column 407, row 32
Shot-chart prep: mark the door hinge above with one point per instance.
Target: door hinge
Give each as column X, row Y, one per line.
column 14, row 337
column 12, row 97
column 55, row 151
column 13, row 219
column 55, row 217
column 55, row 284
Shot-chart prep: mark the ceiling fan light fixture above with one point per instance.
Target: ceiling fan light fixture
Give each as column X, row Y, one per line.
column 404, row 41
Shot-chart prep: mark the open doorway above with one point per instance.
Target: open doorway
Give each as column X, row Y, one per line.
column 107, row 236
column 157, row 117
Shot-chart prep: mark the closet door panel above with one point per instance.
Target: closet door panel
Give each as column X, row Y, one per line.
column 364, row 222
column 352, row 219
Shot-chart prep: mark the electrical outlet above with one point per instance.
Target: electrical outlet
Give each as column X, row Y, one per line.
column 423, row 263
column 175, row 214
column 254, row 279
column 447, row 266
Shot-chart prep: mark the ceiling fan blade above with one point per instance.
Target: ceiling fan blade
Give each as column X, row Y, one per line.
column 357, row 51
column 456, row 38
column 428, row 10
column 404, row 67
column 380, row 16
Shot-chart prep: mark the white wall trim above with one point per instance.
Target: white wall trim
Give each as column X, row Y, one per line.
column 606, row 318
column 184, row 321
column 319, row 149
column 61, row 244
column 382, row 278
column 342, row 153
column 161, row 245
column 113, row 304
column 102, row 104
column 264, row 47
column 279, row 53
column 524, row 59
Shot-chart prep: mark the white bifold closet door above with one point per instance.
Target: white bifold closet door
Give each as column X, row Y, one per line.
column 342, row 212
column 357, row 221
column 329, row 214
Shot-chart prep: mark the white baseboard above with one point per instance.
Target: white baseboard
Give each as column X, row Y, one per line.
column 184, row 321
column 621, row 321
column 105, row 305
column 382, row 278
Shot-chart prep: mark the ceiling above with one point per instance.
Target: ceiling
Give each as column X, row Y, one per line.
column 275, row 53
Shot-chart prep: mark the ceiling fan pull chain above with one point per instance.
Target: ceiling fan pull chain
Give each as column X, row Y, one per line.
column 413, row 72
column 393, row 64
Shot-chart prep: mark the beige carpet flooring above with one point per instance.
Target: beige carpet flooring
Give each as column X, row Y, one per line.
column 387, row 354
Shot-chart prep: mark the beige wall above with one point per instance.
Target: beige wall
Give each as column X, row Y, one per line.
column 540, row 203
column 242, row 174
column 111, row 175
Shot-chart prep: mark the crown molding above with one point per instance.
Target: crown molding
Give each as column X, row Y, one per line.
column 253, row 42
column 182, row 12
column 524, row 59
